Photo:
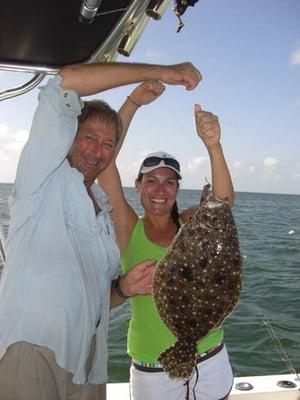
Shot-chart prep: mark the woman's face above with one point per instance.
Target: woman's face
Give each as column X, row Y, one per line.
column 158, row 191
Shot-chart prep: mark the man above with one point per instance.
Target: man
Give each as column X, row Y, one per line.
column 56, row 288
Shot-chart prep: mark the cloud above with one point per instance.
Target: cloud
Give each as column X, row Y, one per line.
column 21, row 136
column 270, row 162
column 11, row 145
column 3, row 131
column 296, row 174
column 269, row 175
column 128, row 168
column 196, row 162
column 242, row 167
column 3, row 157
column 237, row 164
column 295, row 57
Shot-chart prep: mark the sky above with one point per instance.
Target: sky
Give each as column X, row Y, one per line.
column 248, row 52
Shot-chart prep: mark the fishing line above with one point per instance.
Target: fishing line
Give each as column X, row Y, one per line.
column 182, row 130
column 277, row 342
column 111, row 11
column 197, row 151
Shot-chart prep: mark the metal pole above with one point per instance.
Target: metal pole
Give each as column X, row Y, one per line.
column 7, row 94
column 2, row 245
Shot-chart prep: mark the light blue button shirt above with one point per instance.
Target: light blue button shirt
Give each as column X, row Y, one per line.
column 61, row 257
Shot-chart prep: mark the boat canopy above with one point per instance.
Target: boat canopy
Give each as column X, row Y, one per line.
column 40, row 36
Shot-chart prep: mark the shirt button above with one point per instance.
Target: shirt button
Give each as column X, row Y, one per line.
column 65, row 94
column 68, row 105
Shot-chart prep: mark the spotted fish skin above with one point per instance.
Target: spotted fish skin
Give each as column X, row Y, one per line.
column 198, row 282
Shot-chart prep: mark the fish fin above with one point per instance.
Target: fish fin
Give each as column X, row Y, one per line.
column 205, row 193
column 180, row 359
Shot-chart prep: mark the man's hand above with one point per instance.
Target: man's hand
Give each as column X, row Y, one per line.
column 147, row 92
column 139, row 279
column 208, row 127
column 181, row 74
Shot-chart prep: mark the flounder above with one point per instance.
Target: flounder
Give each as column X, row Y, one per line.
column 198, row 282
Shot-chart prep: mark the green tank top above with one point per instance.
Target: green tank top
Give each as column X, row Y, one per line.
column 148, row 336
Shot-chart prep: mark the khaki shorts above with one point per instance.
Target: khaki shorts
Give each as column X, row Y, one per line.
column 30, row 372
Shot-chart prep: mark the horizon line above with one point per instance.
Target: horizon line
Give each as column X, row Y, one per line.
column 181, row 188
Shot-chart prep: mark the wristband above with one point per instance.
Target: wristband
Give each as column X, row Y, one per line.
column 133, row 102
column 117, row 287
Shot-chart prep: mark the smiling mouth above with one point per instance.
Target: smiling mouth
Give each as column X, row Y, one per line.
column 92, row 163
column 159, row 201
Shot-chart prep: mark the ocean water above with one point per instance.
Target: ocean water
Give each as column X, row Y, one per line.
column 263, row 332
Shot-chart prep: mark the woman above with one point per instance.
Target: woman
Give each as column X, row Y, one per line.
column 148, row 237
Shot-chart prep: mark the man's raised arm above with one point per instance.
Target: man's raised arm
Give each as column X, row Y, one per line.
column 88, row 79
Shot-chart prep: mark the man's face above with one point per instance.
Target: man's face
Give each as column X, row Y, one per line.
column 93, row 149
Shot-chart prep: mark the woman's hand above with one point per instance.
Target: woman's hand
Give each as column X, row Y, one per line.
column 146, row 92
column 208, row 127
column 139, row 279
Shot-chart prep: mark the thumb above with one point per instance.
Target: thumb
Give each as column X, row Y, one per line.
column 151, row 261
column 147, row 264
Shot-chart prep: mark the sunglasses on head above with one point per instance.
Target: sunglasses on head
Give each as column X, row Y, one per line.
column 154, row 161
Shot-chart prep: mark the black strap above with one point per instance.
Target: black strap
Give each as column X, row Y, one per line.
column 197, row 377
column 187, row 384
column 117, row 287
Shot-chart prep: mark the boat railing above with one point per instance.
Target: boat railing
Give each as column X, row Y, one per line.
column 2, row 246
column 31, row 84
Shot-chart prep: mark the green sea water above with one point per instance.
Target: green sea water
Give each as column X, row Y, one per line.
column 263, row 332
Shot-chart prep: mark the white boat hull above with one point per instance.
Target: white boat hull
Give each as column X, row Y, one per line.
column 263, row 388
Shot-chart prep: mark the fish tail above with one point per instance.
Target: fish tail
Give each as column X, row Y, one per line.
column 180, row 359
